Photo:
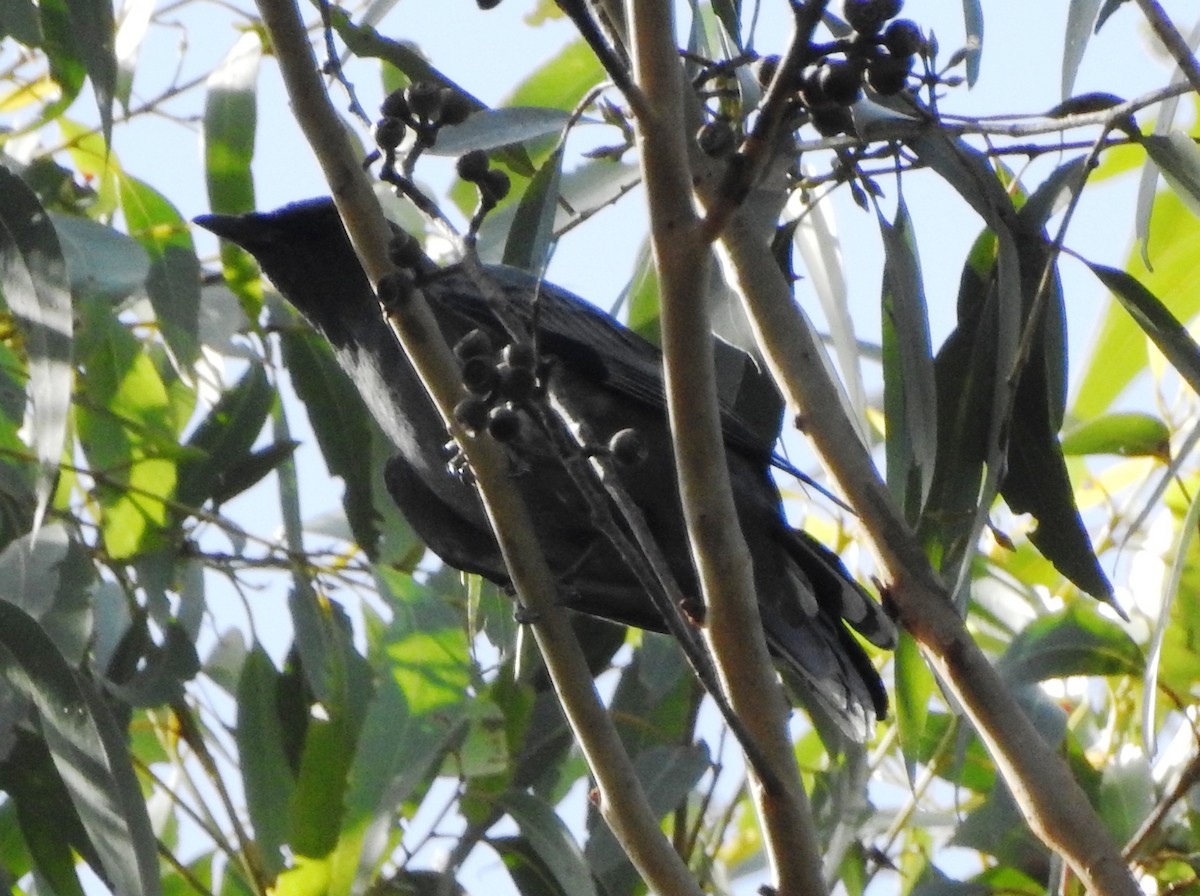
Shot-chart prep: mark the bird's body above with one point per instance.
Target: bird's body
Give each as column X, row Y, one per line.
column 614, row 380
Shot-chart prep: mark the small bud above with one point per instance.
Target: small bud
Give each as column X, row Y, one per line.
column 425, row 100
column 504, row 423
column 388, row 133
column 473, row 166
column 627, row 448
column 516, row 383
column 472, row 414
column 495, row 186
column 903, row 38
column 764, row 69
column 395, row 288
column 716, row 138
column 519, row 354
column 455, row 107
column 395, row 105
column 888, row 74
column 475, row 344
column 479, row 375
column 405, row 251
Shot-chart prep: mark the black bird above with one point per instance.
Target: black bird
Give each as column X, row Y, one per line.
column 614, row 379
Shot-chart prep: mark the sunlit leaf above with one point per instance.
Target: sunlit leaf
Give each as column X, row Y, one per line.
column 1130, row 435
column 174, row 281
column 230, row 119
column 1075, row 641
column 34, row 286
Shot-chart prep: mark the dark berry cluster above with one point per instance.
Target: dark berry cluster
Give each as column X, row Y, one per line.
column 423, row 106
column 879, row 54
column 497, row 383
column 475, row 168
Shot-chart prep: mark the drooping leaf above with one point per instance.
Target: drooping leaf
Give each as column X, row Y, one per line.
column 553, row 844
column 915, row 685
column 531, row 237
column 34, row 286
column 94, row 33
column 1176, row 155
column 418, row 713
column 128, row 432
column 1155, row 320
column 342, row 426
column 48, row 822
column 230, row 119
column 909, row 388
column 174, row 281
column 224, row 438
column 266, row 774
column 1081, row 24
column 341, row 681
column 88, row 750
column 1074, row 641
column 973, row 22
column 816, row 237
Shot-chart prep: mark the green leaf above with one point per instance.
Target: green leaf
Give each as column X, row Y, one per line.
column 417, row 714
column 1176, row 154
column 531, row 236
column 230, row 119
column 1119, row 352
column 49, row 576
column 224, row 438
column 89, row 752
column 34, row 286
column 909, row 388
column 266, row 773
column 342, row 425
column 1074, row 641
column 174, row 281
column 94, row 32
column 101, row 262
column 19, row 20
column 490, row 129
column 1129, row 435
column 127, row 430
column 67, row 67
column 563, row 81
column 342, row 683
column 48, row 822
column 1127, row 797
column 1156, row 321
column 554, row 845
column 528, row 869
column 667, row 775
column 915, row 685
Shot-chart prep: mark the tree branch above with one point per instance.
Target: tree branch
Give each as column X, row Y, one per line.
column 622, row 800
column 732, row 624
column 1166, row 32
column 1050, row 798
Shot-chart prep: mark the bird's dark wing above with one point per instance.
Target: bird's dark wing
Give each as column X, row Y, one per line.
column 612, row 377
